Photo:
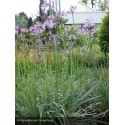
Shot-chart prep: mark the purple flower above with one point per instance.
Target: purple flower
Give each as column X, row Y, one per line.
column 18, row 28
column 45, row 6
column 58, row 42
column 43, row 26
column 31, row 29
column 50, row 24
column 72, row 37
column 37, row 28
column 89, row 24
column 23, row 30
column 79, row 31
column 88, row 28
column 43, row 16
column 67, row 27
column 72, row 9
column 63, row 13
column 52, row 37
column 51, row 17
column 82, row 31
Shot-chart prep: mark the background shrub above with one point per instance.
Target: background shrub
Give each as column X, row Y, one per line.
column 104, row 34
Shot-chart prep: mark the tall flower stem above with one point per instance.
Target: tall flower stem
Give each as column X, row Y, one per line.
column 56, row 69
column 71, row 58
column 71, row 63
column 73, row 18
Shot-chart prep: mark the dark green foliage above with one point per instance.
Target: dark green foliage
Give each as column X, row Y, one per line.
column 21, row 19
column 104, row 35
column 38, row 18
column 23, row 15
column 103, row 5
column 30, row 22
column 85, row 1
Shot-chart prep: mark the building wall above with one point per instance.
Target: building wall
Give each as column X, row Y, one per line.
column 80, row 17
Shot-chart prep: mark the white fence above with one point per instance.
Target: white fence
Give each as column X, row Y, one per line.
column 80, row 17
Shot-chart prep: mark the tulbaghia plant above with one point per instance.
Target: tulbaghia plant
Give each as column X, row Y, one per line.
column 54, row 24
column 72, row 10
column 44, row 16
column 82, row 31
column 88, row 28
column 51, row 21
column 63, row 13
column 37, row 28
column 67, row 27
column 89, row 24
column 72, row 38
column 50, row 24
column 45, row 6
column 18, row 29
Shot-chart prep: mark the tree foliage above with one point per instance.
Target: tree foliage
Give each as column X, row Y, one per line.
column 103, row 5
column 30, row 22
column 93, row 2
column 104, row 34
column 21, row 19
column 85, row 1
column 23, row 15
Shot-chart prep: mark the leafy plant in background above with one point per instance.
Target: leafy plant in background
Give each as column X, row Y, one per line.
column 21, row 19
column 103, row 5
column 88, row 28
column 30, row 22
column 85, row 1
column 72, row 10
column 103, row 34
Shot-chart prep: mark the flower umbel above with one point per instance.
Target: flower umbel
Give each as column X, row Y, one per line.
column 45, row 6
column 50, row 24
column 72, row 9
